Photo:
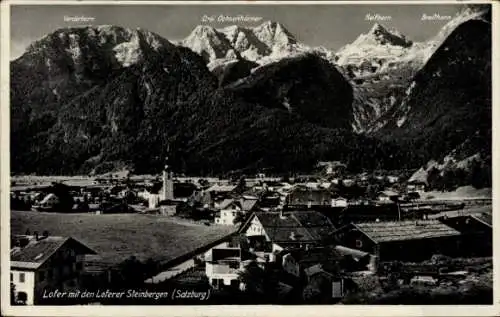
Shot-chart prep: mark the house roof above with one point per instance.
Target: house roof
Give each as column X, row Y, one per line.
column 243, row 204
column 405, row 230
column 223, row 254
column 221, row 188
column 389, row 193
column 356, row 254
column 312, row 256
column 419, row 177
column 485, row 218
column 247, row 204
column 302, row 195
column 225, row 203
column 35, row 253
column 294, row 226
column 49, row 197
column 313, row 269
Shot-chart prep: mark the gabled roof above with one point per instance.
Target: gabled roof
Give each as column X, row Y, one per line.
column 243, row 204
column 35, row 253
column 247, row 204
column 405, row 230
column 295, row 226
column 419, row 177
column 226, row 203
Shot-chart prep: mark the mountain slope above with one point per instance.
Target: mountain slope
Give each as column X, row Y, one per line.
column 306, row 85
column 75, row 97
column 122, row 98
column 382, row 63
column 449, row 100
column 233, row 70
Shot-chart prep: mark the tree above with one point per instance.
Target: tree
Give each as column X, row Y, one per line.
column 434, row 179
column 62, row 192
column 317, row 290
column 260, row 284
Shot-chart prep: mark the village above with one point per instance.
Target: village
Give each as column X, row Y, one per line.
column 328, row 237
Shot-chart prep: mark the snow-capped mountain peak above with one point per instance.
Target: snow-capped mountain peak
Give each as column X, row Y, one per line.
column 380, row 35
column 127, row 46
column 209, row 43
column 251, row 43
column 274, row 34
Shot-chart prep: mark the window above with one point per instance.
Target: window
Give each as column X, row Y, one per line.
column 22, row 296
column 21, row 277
column 11, row 277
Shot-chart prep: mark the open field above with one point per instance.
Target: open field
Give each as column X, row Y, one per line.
column 465, row 192
column 473, row 210
column 118, row 236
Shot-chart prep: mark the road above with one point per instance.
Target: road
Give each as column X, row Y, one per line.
column 170, row 273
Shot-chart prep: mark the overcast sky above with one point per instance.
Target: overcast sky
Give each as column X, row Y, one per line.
column 329, row 25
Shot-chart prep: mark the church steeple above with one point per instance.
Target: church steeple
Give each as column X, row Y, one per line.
column 168, row 182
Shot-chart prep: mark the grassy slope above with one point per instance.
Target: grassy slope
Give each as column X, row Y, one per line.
column 118, row 236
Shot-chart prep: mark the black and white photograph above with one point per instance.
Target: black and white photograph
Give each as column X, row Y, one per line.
column 248, row 154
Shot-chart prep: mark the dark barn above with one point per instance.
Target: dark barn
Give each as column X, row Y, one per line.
column 401, row 241
column 477, row 233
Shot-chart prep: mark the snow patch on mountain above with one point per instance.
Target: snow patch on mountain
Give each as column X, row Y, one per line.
column 128, row 53
column 127, row 46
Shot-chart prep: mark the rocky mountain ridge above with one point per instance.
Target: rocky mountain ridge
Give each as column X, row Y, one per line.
column 121, row 98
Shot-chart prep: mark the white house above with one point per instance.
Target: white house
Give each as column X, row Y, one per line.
column 388, row 196
column 348, row 182
column 153, row 200
column 230, row 208
column 282, row 230
column 45, row 262
column 392, row 179
column 223, row 265
column 48, row 202
column 339, row 202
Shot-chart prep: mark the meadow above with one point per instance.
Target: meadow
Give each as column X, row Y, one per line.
column 118, row 236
